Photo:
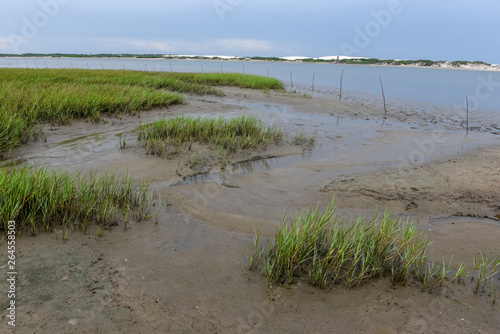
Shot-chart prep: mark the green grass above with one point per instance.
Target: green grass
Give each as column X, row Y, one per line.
column 230, row 79
column 30, row 98
column 39, row 199
column 168, row 135
column 329, row 252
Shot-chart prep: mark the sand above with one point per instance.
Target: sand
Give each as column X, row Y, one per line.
column 189, row 273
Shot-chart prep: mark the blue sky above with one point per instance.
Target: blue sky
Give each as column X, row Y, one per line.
column 402, row 29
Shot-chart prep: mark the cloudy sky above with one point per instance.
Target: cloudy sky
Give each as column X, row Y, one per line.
column 401, row 29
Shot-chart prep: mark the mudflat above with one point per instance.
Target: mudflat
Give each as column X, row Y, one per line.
column 189, row 272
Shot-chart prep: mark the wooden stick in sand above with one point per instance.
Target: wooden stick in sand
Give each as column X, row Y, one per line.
column 312, row 88
column 383, row 95
column 341, row 78
column 467, row 122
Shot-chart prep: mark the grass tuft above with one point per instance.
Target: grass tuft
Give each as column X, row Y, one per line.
column 37, row 198
column 329, row 252
column 166, row 136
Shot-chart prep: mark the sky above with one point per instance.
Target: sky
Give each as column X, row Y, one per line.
column 385, row 29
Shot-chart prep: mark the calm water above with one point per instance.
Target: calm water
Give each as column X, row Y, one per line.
column 437, row 86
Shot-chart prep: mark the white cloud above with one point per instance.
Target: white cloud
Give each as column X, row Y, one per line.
column 158, row 46
column 136, row 45
column 243, row 44
column 5, row 45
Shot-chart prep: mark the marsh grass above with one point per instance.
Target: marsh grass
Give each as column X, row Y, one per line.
column 30, row 98
column 304, row 139
column 167, row 136
column 484, row 269
column 230, row 79
column 40, row 199
column 319, row 246
column 332, row 252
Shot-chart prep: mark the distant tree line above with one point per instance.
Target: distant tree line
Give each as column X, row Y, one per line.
column 357, row 61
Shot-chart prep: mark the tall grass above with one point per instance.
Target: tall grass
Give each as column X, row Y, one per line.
column 230, row 79
column 328, row 252
column 152, row 80
column 39, row 199
column 31, row 97
column 167, row 135
column 332, row 252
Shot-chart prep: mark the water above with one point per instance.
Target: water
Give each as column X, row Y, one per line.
column 244, row 168
column 438, row 86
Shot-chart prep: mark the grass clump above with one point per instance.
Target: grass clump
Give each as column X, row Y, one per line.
column 328, row 252
column 230, row 79
column 168, row 135
column 331, row 252
column 37, row 198
column 304, row 139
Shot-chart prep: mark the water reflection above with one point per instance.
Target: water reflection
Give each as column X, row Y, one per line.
column 244, row 168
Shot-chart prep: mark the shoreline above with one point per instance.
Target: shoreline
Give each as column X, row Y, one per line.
column 437, row 65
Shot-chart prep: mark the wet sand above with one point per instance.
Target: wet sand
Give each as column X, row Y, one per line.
column 188, row 273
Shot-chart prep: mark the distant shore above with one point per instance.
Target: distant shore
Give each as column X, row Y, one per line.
column 336, row 60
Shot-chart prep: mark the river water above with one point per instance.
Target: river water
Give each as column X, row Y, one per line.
column 445, row 87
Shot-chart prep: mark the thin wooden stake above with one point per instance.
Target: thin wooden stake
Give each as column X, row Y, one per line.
column 244, row 69
column 312, row 88
column 383, row 95
column 201, row 68
column 268, row 72
column 467, row 123
column 171, row 70
column 341, row 78
column 291, row 78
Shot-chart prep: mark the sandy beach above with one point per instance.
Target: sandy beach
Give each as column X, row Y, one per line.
column 189, row 273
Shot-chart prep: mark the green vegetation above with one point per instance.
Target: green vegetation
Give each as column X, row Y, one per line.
column 168, row 136
column 29, row 97
column 328, row 251
column 39, row 199
column 304, row 139
column 229, row 79
column 268, row 58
